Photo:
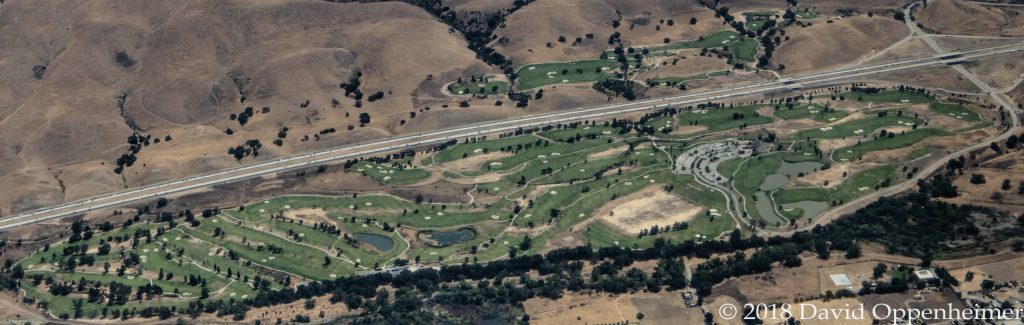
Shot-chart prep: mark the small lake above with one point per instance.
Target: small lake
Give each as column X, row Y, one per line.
column 767, row 211
column 794, row 169
column 776, row 181
column 811, row 208
column 450, row 237
column 787, row 170
column 381, row 243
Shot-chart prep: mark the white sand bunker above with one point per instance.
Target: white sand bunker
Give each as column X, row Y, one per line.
column 648, row 207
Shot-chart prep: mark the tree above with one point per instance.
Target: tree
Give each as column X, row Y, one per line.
column 879, row 270
column 1012, row 141
column 853, row 251
column 1006, row 185
column 977, row 179
column 327, row 260
column 364, row 118
column 693, row 20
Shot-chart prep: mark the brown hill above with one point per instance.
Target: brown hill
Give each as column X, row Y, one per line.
column 970, row 18
column 845, row 40
column 183, row 68
column 525, row 35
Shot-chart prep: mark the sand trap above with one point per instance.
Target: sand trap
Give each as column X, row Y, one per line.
column 645, row 208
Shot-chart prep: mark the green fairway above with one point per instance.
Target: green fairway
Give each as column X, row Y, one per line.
column 728, row 167
column 885, row 143
column 542, row 74
column 792, row 195
column 481, row 87
column 953, row 110
column 718, row 39
column 861, row 127
column 956, row 111
column 745, row 49
column 813, row 111
column 723, row 118
column 396, row 173
column 805, row 13
column 862, row 183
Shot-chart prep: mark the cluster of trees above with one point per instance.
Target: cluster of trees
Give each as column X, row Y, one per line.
column 135, row 143
column 618, row 88
column 676, row 226
column 250, row 147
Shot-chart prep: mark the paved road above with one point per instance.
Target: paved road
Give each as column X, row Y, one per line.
column 149, row 192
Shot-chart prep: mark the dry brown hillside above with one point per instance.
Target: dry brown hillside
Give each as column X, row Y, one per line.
column 845, row 40
column 183, row 68
column 970, row 18
column 526, row 33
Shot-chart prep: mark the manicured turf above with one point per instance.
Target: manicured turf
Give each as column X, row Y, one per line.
column 859, row 128
column 390, row 173
column 885, row 143
column 814, row 111
column 806, row 13
column 728, row 167
column 723, row 118
column 487, row 87
column 862, row 183
column 792, row 195
column 718, row 39
column 953, row 110
column 956, row 111
column 745, row 49
column 537, row 75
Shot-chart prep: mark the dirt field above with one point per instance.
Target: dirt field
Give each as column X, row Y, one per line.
column 666, row 308
column 651, row 206
column 581, row 309
column 474, row 162
column 1009, row 167
column 308, row 215
column 1001, row 272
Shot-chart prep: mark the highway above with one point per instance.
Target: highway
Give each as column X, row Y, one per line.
column 152, row 191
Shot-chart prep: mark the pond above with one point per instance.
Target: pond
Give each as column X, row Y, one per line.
column 776, row 181
column 794, row 169
column 380, row 242
column 811, row 208
column 449, row 237
column 767, row 211
column 787, row 170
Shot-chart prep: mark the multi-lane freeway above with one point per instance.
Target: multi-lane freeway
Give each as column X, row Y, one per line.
column 396, row 143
